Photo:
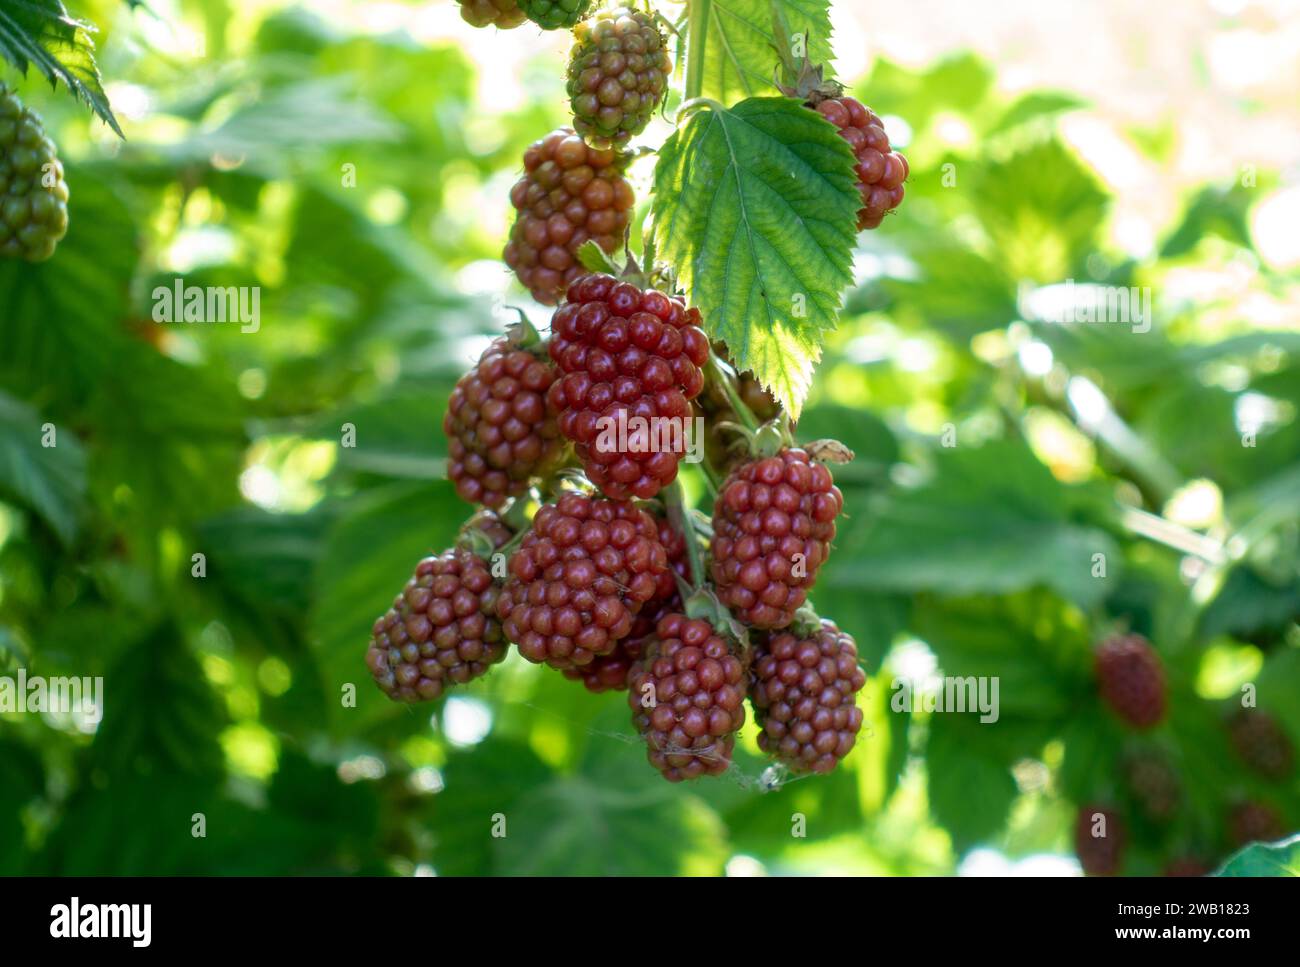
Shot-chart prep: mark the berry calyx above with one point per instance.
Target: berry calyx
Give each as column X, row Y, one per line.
column 500, row 433
column 568, row 194
column 1261, row 743
column 773, row 524
column 33, row 193
column 442, row 630
column 1099, row 839
column 554, row 14
column 579, row 578
column 1131, row 680
column 803, row 689
column 618, row 75
column 631, row 361
column 503, row 14
column 688, row 698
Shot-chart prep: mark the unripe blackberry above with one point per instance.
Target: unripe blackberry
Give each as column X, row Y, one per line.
column 1261, row 743
column 492, row 13
column 1131, row 680
column 33, row 194
column 569, row 193
column 578, row 579
column 442, row 629
column 1254, row 822
column 610, row 671
column 802, row 689
column 688, row 698
column 631, row 360
column 1099, row 838
column 773, row 523
column 1155, row 785
column 553, row 14
column 618, row 75
column 881, row 172
column 500, row 433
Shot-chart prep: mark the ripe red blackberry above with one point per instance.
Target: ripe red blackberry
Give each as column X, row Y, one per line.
column 802, row 689
column 618, row 74
column 631, row 360
column 569, row 193
column 499, row 430
column 578, row 579
column 442, row 630
column 881, row 172
column 1131, row 680
column 33, row 194
column 492, row 13
column 688, row 698
column 610, row 671
column 1154, row 783
column 1254, row 822
column 553, row 14
column 1099, row 838
column 773, row 523
column 1261, row 743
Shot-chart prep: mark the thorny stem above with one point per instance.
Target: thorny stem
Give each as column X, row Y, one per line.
column 675, row 501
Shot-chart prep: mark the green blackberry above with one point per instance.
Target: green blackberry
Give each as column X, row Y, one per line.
column 33, row 194
column 618, row 75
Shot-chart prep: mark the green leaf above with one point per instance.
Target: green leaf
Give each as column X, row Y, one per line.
column 740, row 44
column 50, row 480
column 22, row 779
column 755, row 207
column 969, row 780
column 40, row 32
column 1264, row 859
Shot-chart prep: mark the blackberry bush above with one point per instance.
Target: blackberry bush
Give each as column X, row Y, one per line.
column 803, row 690
column 688, row 698
column 33, row 193
column 618, row 75
column 627, row 354
column 569, row 193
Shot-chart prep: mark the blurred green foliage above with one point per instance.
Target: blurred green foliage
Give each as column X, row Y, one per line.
column 980, row 495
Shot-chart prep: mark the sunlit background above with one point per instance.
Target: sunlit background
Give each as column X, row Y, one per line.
column 1054, row 147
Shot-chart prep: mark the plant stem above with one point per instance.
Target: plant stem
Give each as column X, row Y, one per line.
column 696, row 40
column 745, row 414
column 1166, row 532
column 674, row 498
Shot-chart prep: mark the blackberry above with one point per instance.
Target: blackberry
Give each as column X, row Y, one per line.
column 1261, row 743
column 1100, row 853
column 773, row 523
column 1253, row 822
column 499, row 431
column 631, row 360
column 442, row 629
column 1131, row 680
column 881, row 172
column 618, row 74
column 1154, row 783
column 606, row 672
column 578, row 578
column 802, row 689
column 492, row 13
column 33, row 193
column 688, row 698
column 569, row 193
column 553, row 14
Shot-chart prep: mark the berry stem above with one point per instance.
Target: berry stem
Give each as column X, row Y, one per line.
column 724, row 380
column 674, row 497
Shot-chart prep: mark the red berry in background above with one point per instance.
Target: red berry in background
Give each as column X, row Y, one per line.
column 1261, row 743
column 1099, row 841
column 1131, row 679
column 499, row 430
column 773, row 523
column 1187, row 866
column 578, row 579
column 688, row 698
column 802, row 690
column 1154, row 783
column 568, row 193
column 441, row 631
column 606, row 672
column 628, row 355
column 881, row 172
column 491, row 13
column 1254, row 822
